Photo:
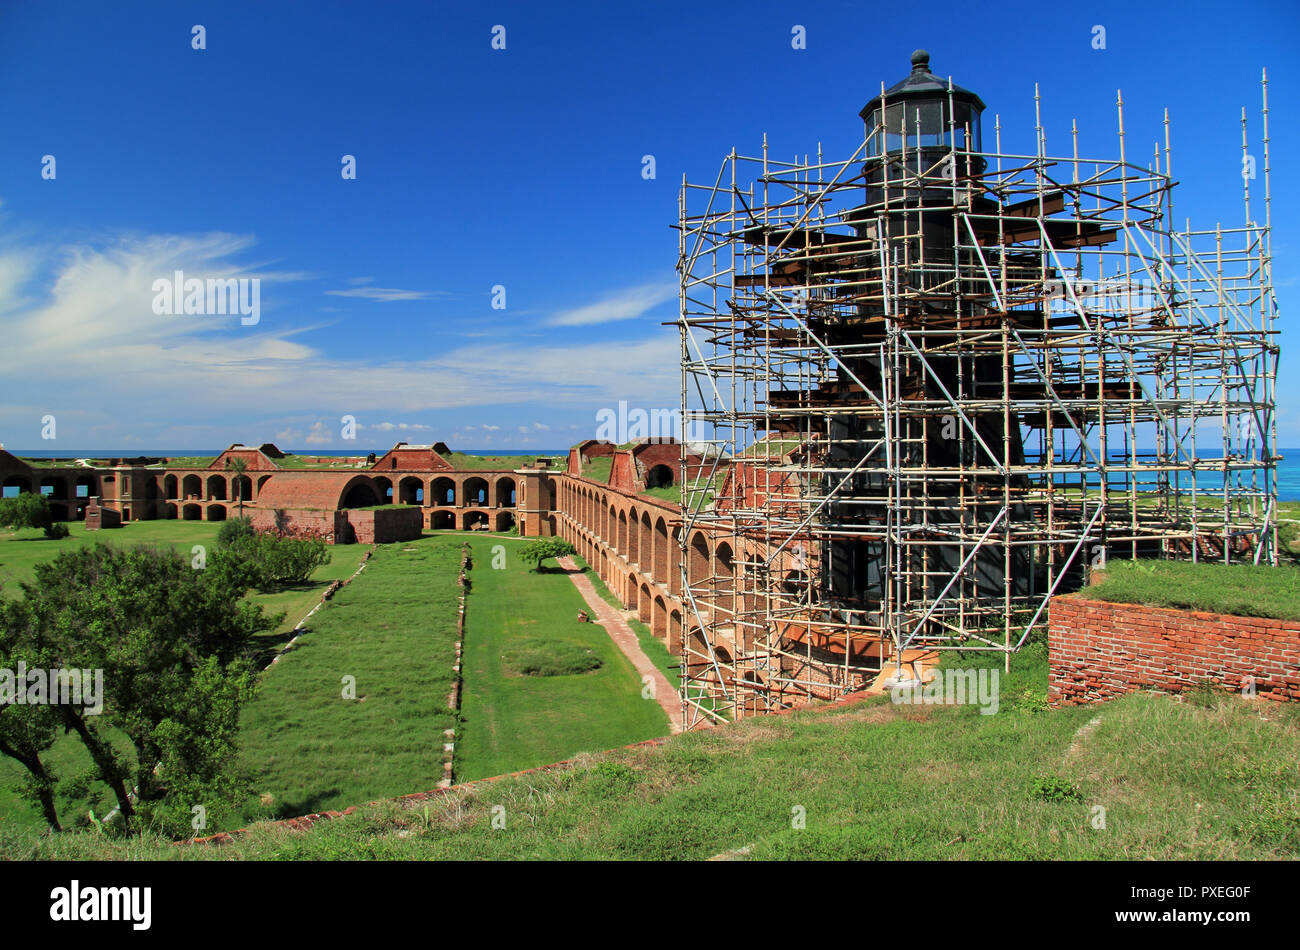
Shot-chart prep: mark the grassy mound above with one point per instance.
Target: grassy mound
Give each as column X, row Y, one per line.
column 534, row 656
column 1242, row 589
column 1153, row 778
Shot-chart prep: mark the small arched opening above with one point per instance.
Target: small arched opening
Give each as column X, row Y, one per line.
column 410, row 491
column 659, row 476
column 476, row 491
column 505, row 492
column 444, row 492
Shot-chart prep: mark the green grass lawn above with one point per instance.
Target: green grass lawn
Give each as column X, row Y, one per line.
column 21, row 551
column 1212, row 777
column 513, row 722
column 463, row 462
column 1244, row 589
column 305, row 747
column 597, row 469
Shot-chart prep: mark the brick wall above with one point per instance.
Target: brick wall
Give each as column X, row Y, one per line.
column 1101, row 650
column 303, row 523
column 99, row 517
column 386, row 525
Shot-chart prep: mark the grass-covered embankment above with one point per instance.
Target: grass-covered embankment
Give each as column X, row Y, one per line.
column 1243, row 589
column 1206, row 777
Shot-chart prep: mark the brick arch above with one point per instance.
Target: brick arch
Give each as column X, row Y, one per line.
column 410, row 491
column 475, row 491
column 20, row 482
column 506, row 492
column 442, row 491
column 645, row 553
column 662, row 555
column 620, row 544
column 217, row 488
column 724, row 571
column 359, row 492
column 383, row 486
column 675, row 562
column 659, row 618
column 699, row 560
column 644, row 604
column 633, row 534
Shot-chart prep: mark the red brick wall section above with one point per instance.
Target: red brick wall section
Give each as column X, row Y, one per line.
column 386, row 525
column 99, row 517
column 1100, row 650
column 302, row 523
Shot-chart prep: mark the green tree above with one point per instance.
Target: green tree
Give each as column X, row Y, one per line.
column 239, row 466
column 535, row 552
column 275, row 561
column 234, row 531
column 27, row 731
column 173, row 644
column 30, row 510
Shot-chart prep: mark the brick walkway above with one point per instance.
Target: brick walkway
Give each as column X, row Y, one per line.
column 625, row 639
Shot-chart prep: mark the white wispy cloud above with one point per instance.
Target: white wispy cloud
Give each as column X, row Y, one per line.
column 391, row 426
column 625, row 305
column 382, row 294
column 75, row 315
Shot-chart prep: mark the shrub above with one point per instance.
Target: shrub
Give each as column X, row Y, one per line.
column 56, row 530
column 235, row 530
column 25, row 510
column 276, row 561
column 1052, row 788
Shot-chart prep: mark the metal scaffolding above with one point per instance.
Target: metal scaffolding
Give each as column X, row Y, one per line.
column 941, row 383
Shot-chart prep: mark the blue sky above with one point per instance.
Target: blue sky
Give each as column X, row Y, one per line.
column 479, row 167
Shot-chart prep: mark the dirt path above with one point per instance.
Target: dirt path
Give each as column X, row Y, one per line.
column 624, row 638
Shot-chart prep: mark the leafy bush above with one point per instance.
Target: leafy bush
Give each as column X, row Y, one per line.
column 1052, row 788
column 1030, row 700
column 275, row 561
column 56, row 530
column 235, row 530
column 25, row 510
column 290, row 560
